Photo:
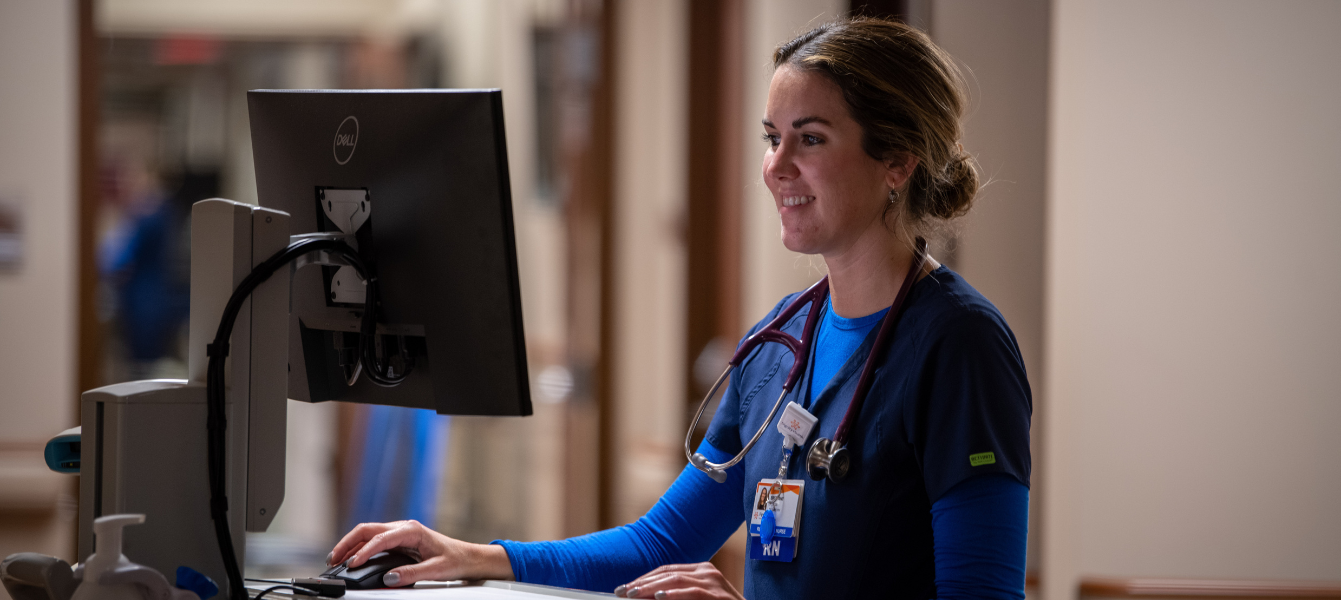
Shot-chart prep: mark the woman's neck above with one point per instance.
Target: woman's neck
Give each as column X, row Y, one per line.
column 865, row 277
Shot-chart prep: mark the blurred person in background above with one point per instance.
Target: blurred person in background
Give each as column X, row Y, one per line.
column 862, row 128
column 141, row 261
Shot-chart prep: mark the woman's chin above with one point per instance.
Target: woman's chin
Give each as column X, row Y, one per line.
column 800, row 244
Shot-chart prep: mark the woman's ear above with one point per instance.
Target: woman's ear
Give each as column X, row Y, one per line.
column 899, row 170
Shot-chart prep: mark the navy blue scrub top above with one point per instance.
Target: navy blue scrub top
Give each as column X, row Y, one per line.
column 950, row 400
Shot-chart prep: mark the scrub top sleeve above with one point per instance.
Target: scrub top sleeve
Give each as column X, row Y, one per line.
column 724, row 430
column 974, row 404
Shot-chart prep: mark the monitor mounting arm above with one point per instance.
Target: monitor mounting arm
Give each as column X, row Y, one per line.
column 144, row 442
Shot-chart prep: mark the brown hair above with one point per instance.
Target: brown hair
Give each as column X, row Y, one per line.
column 908, row 96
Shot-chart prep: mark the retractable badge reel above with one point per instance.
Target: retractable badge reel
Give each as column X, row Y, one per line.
column 795, row 426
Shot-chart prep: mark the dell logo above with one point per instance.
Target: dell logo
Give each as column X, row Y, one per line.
column 346, row 138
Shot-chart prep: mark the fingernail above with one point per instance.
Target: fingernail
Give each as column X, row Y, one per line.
column 619, row 591
column 633, row 593
column 660, row 595
column 330, row 557
column 391, row 578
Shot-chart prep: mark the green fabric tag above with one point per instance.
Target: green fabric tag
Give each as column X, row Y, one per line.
column 982, row 458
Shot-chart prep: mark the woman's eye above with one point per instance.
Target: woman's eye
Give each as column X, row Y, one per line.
column 773, row 140
column 811, row 140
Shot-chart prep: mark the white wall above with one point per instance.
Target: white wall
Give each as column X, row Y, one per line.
column 1194, row 273
column 38, row 102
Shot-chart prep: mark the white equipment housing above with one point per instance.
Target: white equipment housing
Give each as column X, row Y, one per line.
column 144, row 442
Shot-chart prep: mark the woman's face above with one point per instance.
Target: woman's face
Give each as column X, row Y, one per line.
column 828, row 191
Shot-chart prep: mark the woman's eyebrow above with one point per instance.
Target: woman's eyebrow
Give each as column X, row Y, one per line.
column 797, row 124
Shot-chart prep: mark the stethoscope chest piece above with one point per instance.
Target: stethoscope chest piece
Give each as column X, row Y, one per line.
column 827, row 459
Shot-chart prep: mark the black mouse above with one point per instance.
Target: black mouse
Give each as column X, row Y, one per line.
column 368, row 576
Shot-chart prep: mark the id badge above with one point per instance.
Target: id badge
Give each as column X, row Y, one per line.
column 786, row 507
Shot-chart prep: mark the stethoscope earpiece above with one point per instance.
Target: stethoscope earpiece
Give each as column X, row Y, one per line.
column 828, row 460
column 701, row 463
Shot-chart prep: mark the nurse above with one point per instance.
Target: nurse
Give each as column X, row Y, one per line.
column 862, row 156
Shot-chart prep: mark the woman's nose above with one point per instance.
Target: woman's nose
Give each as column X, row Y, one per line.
column 780, row 165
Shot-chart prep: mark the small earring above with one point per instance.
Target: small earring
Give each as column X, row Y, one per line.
column 893, row 196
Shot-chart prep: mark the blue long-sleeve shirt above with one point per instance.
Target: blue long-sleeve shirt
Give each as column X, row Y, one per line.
column 980, row 527
column 972, row 407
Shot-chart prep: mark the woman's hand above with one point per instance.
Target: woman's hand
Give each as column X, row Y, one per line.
column 441, row 558
column 675, row 582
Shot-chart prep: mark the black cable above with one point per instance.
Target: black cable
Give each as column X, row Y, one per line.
column 372, row 365
column 329, row 588
column 301, row 590
column 216, row 418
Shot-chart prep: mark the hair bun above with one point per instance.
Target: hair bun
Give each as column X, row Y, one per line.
column 963, row 178
column 950, row 192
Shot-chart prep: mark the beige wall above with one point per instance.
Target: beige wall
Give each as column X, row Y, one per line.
column 1194, row 273
column 1003, row 49
column 649, row 281
column 38, row 65
column 261, row 17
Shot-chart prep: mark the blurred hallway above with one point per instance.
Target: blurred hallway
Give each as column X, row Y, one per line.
column 1158, row 226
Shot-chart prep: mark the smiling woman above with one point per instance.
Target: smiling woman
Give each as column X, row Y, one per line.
column 907, row 96
column 863, row 127
column 815, row 166
column 911, row 376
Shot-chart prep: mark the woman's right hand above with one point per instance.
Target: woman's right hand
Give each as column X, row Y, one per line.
column 701, row 581
column 440, row 558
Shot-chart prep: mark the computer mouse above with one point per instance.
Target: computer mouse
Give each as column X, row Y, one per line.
column 368, row 576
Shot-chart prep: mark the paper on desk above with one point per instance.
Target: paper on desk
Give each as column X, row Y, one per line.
column 434, row 593
column 453, row 593
column 456, row 590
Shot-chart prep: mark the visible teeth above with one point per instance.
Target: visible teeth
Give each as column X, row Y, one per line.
column 797, row 200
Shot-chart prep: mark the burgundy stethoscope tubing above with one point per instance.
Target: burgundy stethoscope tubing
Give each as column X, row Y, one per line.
column 887, row 324
column 772, row 332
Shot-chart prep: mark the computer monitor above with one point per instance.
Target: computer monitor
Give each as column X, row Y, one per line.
column 420, row 178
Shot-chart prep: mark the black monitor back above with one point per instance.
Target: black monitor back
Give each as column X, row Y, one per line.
column 433, row 166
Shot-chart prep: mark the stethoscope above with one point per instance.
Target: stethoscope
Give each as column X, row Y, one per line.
column 827, row 458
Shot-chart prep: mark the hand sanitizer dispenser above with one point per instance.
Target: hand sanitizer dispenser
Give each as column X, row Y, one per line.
column 109, row 575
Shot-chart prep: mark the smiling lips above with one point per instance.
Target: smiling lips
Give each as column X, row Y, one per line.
column 797, row 200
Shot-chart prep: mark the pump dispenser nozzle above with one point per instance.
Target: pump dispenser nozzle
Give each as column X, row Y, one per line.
column 109, row 575
column 107, row 545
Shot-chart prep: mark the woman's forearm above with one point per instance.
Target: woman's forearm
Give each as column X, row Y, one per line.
column 981, row 529
column 690, row 522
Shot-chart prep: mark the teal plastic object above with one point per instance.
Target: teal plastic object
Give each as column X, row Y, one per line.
column 62, row 452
